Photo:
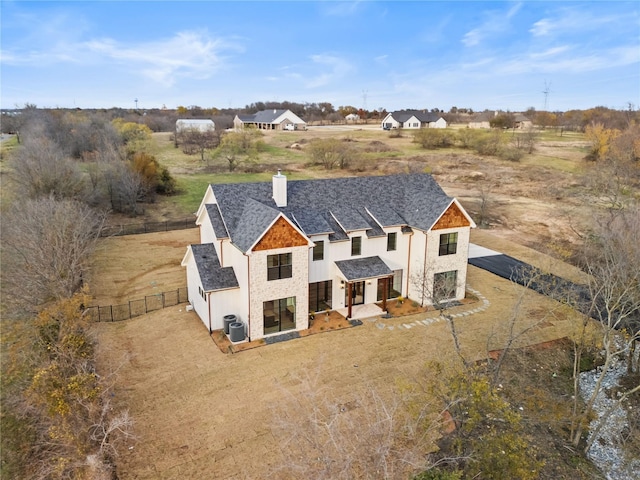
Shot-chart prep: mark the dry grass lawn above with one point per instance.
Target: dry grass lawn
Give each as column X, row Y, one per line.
column 201, row 413
column 130, row 267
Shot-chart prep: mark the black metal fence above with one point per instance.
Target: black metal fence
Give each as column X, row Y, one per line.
column 147, row 227
column 135, row 308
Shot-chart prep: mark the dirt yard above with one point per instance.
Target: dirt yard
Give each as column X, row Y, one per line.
column 201, row 413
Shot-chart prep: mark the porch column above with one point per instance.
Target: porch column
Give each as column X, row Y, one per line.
column 350, row 300
column 385, row 289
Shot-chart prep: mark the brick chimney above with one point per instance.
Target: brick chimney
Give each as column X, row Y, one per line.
column 280, row 189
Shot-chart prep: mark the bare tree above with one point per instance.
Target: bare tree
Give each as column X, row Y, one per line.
column 364, row 435
column 196, row 141
column 485, row 205
column 437, row 289
column 331, row 153
column 125, row 188
column 47, row 245
column 530, row 139
column 236, row 147
column 613, row 265
column 40, row 168
column 519, row 323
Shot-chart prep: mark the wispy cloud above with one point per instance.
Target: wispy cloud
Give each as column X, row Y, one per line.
column 342, row 9
column 381, row 59
column 568, row 61
column 551, row 52
column 495, row 22
column 572, row 20
column 43, row 41
column 193, row 54
column 187, row 54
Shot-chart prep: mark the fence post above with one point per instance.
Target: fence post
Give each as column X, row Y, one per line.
column 111, row 311
column 145, row 304
column 129, row 309
column 162, row 299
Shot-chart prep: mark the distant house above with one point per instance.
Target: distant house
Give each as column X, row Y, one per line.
column 522, row 122
column 201, row 125
column 352, row 118
column 483, row 120
column 270, row 120
column 413, row 119
column 271, row 254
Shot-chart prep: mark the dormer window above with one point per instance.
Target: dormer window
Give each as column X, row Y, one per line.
column 356, row 246
column 318, row 250
column 392, row 239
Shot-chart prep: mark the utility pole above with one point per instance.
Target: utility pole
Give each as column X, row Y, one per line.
column 547, row 89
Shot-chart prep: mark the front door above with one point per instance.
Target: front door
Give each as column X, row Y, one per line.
column 357, row 294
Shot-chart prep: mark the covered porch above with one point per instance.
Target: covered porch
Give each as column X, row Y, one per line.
column 356, row 275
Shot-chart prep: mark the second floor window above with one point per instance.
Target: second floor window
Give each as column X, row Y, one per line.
column 279, row 266
column 356, row 246
column 448, row 243
column 391, row 241
column 318, row 250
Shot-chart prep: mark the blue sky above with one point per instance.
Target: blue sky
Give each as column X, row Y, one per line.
column 371, row 54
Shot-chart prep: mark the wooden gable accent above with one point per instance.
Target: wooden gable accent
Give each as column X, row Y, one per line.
column 452, row 218
column 280, row 235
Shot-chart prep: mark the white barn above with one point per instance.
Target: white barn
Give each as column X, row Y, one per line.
column 202, row 125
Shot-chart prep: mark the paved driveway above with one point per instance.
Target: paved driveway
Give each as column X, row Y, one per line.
column 531, row 277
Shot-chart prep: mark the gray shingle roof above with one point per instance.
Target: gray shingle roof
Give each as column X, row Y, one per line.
column 216, row 221
column 263, row 116
column 363, row 268
column 414, row 200
column 385, row 215
column 255, row 219
column 349, row 218
column 212, row 276
column 311, row 221
column 425, row 117
column 374, row 230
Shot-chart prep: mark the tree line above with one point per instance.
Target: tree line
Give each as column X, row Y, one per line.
column 163, row 119
column 67, row 172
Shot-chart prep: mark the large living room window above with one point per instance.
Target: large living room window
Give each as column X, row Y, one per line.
column 318, row 251
column 279, row 266
column 356, row 246
column 444, row 286
column 279, row 315
column 448, row 243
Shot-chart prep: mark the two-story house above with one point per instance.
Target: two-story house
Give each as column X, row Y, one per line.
column 271, row 253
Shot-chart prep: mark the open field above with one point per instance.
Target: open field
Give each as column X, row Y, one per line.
column 204, row 414
column 538, row 201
